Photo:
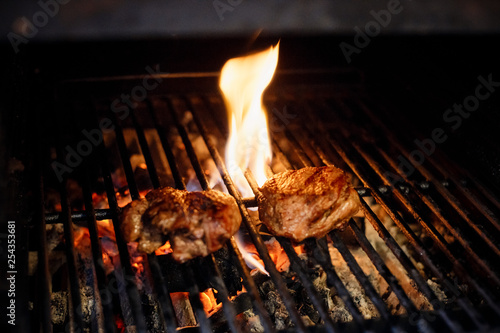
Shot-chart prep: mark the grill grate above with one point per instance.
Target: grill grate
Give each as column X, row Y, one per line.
column 459, row 220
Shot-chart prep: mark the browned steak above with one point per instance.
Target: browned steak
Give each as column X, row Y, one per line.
column 308, row 202
column 197, row 223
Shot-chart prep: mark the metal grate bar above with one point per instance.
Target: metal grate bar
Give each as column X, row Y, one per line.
column 69, row 239
column 129, row 276
column 79, row 216
column 414, row 241
column 369, row 250
column 127, row 166
column 218, row 283
column 350, row 260
column 44, row 285
column 454, row 230
column 160, row 129
column 205, row 186
column 202, row 318
column 160, row 284
column 452, row 200
column 415, row 275
column 97, row 253
column 194, row 298
column 189, row 147
column 378, row 262
column 360, row 276
column 125, row 156
column 436, row 236
column 457, row 233
column 250, row 224
column 385, row 273
column 297, row 264
column 241, row 265
column 469, row 180
column 71, row 257
column 153, row 175
column 163, row 294
column 401, row 256
column 449, row 173
column 299, row 267
column 322, row 255
column 250, row 286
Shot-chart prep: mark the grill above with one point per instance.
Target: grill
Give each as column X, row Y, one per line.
column 422, row 258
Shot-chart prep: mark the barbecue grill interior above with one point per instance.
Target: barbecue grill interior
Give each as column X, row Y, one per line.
column 420, row 256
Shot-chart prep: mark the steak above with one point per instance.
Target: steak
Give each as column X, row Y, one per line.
column 196, row 223
column 308, row 202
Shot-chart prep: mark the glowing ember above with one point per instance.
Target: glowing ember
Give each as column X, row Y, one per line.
column 136, row 258
column 243, row 81
column 209, row 302
column 250, row 255
column 276, row 252
column 164, row 249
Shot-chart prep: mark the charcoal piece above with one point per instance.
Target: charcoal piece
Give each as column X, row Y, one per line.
column 59, row 307
column 307, row 321
column 310, row 312
column 252, row 322
column 278, row 311
column 153, row 313
column 183, row 310
column 175, row 274
column 229, row 271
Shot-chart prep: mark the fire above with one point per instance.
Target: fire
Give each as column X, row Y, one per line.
column 243, row 81
column 276, row 252
column 164, row 249
column 209, row 302
column 136, row 258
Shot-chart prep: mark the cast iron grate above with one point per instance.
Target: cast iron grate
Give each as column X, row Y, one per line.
column 450, row 227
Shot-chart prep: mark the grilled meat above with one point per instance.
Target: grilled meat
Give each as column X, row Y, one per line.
column 308, row 202
column 197, row 223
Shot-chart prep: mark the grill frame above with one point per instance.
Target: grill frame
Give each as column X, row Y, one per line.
column 335, row 143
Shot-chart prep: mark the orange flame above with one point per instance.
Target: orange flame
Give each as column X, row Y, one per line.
column 243, row 81
column 164, row 249
column 209, row 302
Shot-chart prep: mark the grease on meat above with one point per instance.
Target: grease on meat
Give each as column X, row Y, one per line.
column 197, row 223
column 308, row 202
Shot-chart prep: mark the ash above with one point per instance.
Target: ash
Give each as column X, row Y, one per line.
column 277, row 309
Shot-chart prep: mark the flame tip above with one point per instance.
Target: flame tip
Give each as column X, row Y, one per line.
column 243, row 81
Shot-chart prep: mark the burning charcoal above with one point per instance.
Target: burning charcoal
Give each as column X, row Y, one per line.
column 308, row 309
column 228, row 269
column 175, row 274
column 59, row 307
column 55, row 234
column 154, row 314
column 277, row 310
column 339, row 312
column 183, row 310
column 307, row 321
column 88, row 305
column 252, row 322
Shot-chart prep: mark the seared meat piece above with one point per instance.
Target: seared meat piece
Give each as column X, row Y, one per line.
column 308, row 202
column 134, row 230
column 197, row 223
column 210, row 218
